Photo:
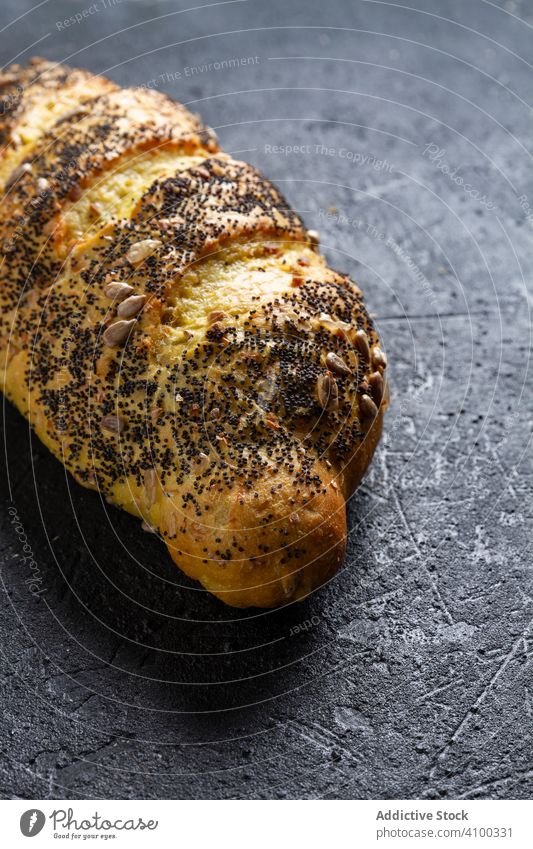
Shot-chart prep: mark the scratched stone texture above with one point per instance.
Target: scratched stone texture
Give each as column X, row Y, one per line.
column 410, row 675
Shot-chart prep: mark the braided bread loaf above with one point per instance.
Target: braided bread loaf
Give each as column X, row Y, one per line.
column 175, row 338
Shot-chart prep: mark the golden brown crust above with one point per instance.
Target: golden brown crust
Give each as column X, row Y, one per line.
column 186, row 350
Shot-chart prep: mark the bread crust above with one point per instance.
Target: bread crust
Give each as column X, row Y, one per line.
column 175, row 338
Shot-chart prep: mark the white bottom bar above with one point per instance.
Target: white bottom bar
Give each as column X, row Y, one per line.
column 268, row 824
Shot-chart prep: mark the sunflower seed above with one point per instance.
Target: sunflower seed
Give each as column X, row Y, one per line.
column 114, row 424
column 131, row 306
column 379, row 360
column 172, row 527
column 42, row 184
column 367, row 407
column 118, row 291
column 334, row 325
column 202, row 461
column 361, row 343
column 314, row 237
column 272, row 421
column 215, row 316
column 14, row 177
column 117, row 333
column 95, row 210
column 327, row 392
column 150, row 486
column 337, row 365
column 141, row 250
column 375, row 382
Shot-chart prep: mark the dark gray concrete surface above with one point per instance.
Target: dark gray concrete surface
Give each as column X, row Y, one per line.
column 410, row 675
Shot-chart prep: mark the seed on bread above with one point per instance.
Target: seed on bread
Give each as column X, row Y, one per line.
column 131, row 306
column 140, row 251
column 327, row 392
column 117, row 333
column 150, row 487
column 379, row 359
column 375, row 382
column 216, row 316
column 361, row 343
column 337, row 365
column 114, row 423
column 118, row 291
column 367, row 408
column 42, row 184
